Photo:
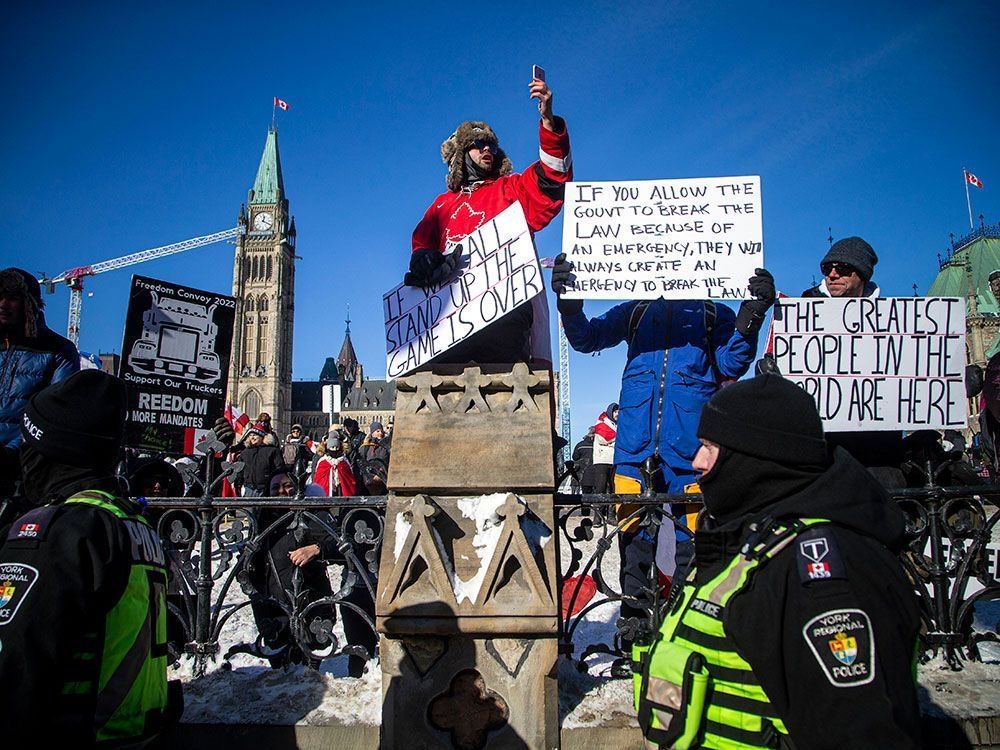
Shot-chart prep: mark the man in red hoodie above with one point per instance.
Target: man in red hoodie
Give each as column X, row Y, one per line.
column 481, row 183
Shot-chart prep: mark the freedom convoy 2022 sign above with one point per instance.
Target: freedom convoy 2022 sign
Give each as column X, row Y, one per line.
column 175, row 357
column 890, row 363
column 678, row 239
column 499, row 272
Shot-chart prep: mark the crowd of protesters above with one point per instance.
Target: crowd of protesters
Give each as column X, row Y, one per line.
column 789, row 638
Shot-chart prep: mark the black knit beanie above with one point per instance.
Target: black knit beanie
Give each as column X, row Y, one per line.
column 767, row 417
column 78, row 421
column 856, row 253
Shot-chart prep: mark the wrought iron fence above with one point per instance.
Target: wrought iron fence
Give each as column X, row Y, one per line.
column 217, row 545
column 950, row 555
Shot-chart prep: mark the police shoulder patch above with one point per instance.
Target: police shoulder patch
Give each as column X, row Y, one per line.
column 33, row 525
column 817, row 556
column 843, row 642
column 16, row 580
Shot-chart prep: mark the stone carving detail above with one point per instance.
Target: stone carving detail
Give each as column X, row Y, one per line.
column 423, row 390
column 521, row 380
column 421, row 543
column 473, row 381
column 510, row 653
column 468, row 711
column 423, row 383
column 512, row 546
column 424, row 652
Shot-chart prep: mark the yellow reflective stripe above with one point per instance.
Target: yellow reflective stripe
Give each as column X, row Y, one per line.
column 733, row 579
column 704, row 623
column 753, row 692
column 728, row 659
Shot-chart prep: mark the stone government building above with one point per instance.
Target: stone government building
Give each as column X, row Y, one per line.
column 260, row 374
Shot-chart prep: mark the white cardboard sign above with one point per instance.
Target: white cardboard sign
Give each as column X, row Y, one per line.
column 697, row 238
column 499, row 272
column 889, row 363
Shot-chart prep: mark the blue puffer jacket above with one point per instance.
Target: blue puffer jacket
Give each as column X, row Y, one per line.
column 26, row 367
column 668, row 376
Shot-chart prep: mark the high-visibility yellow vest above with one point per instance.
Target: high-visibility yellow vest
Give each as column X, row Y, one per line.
column 691, row 687
column 131, row 685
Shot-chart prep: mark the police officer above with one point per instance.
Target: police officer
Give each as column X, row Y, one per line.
column 796, row 625
column 82, row 582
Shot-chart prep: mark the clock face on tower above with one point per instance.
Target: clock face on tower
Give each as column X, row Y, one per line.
column 263, row 221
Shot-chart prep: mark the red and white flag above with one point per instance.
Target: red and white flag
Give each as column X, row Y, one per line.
column 237, row 419
column 282, row 104
column 973, row 180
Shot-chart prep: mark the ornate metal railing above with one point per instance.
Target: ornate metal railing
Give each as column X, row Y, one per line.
column 981, row 232
column 950, row 550
column 229, row 554
column 216, row 545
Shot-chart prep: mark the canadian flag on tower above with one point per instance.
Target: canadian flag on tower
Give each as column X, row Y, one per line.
column 282, row 104
column 973, row 180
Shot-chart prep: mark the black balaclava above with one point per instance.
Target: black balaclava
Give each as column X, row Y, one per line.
column 475, row 173
column 610, row 411
column 739, row 483
column 771, row 445
column 72, row 434
column 44, row 480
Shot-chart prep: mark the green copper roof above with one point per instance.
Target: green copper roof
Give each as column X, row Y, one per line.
column 268, row 185
column 982, row 255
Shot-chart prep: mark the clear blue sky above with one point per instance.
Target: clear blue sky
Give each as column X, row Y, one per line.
column 131, row 126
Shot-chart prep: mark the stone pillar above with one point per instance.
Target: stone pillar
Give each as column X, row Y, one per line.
column 467, row 606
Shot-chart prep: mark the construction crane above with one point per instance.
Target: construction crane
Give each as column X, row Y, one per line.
column 74, row 277
column 564, row 426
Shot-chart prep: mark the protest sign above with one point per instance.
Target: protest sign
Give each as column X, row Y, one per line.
column 891, row 363
column 499, row 271
column 678, row 239
column 175, row 356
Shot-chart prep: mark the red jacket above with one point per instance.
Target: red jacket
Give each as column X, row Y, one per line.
column 539, row 189
column 453, row 215
column 335, row 484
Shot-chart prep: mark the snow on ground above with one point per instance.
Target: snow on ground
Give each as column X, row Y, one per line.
column 248, row 691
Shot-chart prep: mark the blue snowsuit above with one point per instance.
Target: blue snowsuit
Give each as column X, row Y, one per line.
column 26, row 367
column 668, row 377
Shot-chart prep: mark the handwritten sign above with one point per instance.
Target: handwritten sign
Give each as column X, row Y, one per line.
column 499, row 272
column 677, row 239
column 891, row 363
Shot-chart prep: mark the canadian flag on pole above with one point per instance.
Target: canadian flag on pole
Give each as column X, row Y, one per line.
column 237, row 419
column 282, row 104
column 973, row 180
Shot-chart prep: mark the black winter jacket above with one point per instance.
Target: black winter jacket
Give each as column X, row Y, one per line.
column 841, row 577
column 261, row 462
column 78, row 559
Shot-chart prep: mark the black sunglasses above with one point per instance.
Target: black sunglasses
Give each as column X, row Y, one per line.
column 843, row 269
column 481, row 143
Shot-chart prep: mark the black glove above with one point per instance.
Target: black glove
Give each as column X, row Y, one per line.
column 562, row 271
column 223, row 430
column 429, row 267
column 751, row 315
column 761, row 287
column 767, row 365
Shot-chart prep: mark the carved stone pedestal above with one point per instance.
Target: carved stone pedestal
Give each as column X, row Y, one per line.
column 467, row 599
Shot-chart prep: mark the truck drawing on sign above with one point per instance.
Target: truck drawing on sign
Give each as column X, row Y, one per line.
column 178, row 339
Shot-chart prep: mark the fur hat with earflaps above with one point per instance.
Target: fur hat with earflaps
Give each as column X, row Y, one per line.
column 453, row 152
